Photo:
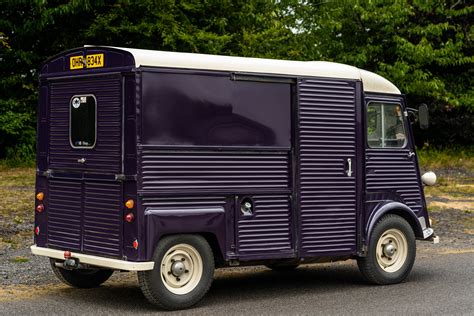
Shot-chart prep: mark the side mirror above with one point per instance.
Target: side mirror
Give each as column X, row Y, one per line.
column 423, row 116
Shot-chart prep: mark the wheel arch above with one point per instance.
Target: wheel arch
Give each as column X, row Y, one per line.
column 206, row 222
column 210, row 238
column 395, row 208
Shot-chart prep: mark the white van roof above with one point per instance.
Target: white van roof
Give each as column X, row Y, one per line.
column 371, row 81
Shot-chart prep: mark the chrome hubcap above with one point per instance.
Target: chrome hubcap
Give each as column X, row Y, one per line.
column 389, row 250
column 178, row 268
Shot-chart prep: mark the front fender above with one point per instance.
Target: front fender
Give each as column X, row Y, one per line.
column 393, row 208
column 161, row 222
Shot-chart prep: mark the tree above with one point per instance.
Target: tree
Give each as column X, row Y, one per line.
column 424, row 47
column 32, row 31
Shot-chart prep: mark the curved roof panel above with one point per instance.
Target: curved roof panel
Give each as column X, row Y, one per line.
column 371, row 81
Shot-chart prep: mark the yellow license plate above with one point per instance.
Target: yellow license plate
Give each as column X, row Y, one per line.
column 89, row 61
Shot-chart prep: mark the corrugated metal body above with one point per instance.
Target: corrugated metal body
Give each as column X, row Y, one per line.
column 326, row 136
column 85, row 216
column 392, row 171
column 268, row 229
column 183, row 202
column 102, row 218
column 214, row 170
column 106, row 155
column 64, row 210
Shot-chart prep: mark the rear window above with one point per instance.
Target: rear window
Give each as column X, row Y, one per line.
column 83, row 116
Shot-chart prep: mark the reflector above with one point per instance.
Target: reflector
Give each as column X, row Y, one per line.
column 40, row 196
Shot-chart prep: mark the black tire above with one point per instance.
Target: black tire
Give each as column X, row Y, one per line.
column 282, row 267
column 369, row 266
column 152, row 283
column 81, row 278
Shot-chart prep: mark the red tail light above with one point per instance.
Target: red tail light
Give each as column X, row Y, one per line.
column 37, row 230
column 40, row 208
column 67, row 254
column 129, row 217
column 135, row 244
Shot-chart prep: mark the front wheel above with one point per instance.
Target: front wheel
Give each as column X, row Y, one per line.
column 391, row 252
column 81, row 278
column 183, row 272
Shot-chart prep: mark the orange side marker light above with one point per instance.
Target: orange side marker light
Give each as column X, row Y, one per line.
column 40, row 196
column 129, row 204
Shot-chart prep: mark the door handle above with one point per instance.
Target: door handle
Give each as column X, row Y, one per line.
column 349, row 167
column 411, row 154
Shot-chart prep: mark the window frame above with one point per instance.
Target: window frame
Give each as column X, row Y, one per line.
column 405, row 129
column 70, row 122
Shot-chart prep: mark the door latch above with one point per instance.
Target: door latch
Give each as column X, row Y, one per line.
column 349, row 167
column 81, row 160
column 411, row 154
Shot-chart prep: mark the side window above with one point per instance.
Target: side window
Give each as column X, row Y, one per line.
column 82, row 121
column 385, row 127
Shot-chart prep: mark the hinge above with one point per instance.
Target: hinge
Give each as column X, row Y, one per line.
column 122, row 177
column 47, row 173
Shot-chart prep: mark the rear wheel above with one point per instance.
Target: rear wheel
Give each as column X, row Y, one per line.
column 81, row 278
column 391, row 253
column 183, row 272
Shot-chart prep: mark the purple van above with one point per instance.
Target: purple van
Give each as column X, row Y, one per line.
column 174, row 164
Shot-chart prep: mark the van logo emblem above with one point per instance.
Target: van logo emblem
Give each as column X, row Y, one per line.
column 76, row 103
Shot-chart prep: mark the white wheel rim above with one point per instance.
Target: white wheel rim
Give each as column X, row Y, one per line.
column 181, row 269
column 392, row 250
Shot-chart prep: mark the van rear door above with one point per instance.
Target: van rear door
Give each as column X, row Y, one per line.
column 84, row 157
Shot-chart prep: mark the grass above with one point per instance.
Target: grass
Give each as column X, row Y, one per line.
column 19, row 260
column 452, row 158
column 16, row 204
column 17, row 192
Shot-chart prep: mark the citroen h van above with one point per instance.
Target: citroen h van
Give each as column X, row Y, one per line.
column 174, row 164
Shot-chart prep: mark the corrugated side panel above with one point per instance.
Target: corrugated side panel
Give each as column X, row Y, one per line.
column 268, row 229
column 64, row 210
column 106, row 155
column 216, row 170
column 183, row 202
column 326, row 140
column 85, row 217
column 392, row 170
column 102, row 218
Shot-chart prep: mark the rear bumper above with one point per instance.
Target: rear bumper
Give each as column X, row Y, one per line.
column 97, row 261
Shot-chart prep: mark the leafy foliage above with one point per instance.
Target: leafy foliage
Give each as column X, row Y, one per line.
column 424, row 47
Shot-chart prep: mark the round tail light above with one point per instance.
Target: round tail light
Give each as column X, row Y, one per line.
column 135, row 244
column 129, row 217
column 37, row 230
column 40, row 208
